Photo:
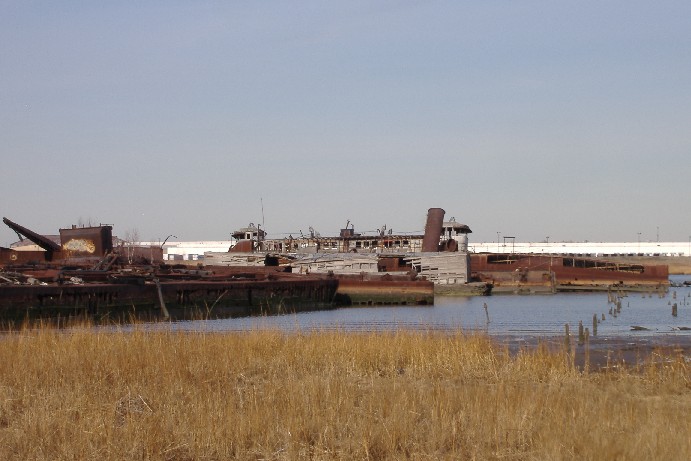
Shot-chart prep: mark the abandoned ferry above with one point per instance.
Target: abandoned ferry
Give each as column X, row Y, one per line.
column 440, row 255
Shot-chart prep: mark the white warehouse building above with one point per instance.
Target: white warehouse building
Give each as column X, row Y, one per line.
column 193, row 251
column 589, row 249
column 189, row 251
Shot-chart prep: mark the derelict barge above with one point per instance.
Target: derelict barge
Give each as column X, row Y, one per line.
column 438, row 257
column 525, row 273
column 86, row 276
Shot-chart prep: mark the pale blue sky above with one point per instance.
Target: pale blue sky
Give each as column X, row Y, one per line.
column 530, row 118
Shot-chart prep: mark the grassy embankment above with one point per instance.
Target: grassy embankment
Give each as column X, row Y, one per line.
column 83, row 394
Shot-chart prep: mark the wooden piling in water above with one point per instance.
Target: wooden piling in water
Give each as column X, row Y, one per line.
column 567, row 339
column 162, row 303
column 586, row 361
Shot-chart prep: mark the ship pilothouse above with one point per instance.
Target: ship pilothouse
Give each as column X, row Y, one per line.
column 452, row 230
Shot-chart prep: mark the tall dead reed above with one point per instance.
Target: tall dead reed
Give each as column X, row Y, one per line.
column 94, row 394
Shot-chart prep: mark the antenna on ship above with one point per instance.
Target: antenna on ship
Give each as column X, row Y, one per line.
column 261, row 200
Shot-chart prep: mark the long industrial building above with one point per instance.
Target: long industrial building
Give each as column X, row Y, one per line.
column 585, row 249
column 195, row 250
column 192, row 251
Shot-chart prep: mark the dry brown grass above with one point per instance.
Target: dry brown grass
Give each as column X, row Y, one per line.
column 87, row 394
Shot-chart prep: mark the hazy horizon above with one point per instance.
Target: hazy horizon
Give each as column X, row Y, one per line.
column 532, row 119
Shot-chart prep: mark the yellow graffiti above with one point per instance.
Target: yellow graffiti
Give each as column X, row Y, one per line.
column 80, row 245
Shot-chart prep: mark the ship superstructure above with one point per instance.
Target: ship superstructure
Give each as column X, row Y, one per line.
column 440, row 254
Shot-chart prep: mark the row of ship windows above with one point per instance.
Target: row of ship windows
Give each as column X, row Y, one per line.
column 326, row 266
column 363, row 244
column 387, row 243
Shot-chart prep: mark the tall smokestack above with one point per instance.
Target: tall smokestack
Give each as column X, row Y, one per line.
column 433, row 229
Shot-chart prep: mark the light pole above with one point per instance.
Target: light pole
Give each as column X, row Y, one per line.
column 164, row 242
column 498, row 241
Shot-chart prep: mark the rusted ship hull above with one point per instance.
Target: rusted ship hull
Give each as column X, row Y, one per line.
column 533, row 274
column 360, row 288
column 384, row 291
column 175, row 300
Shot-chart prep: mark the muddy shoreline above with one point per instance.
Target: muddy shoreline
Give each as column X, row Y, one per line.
column 607, row 352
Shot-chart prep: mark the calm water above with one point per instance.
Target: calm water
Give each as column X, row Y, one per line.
column 533, row 315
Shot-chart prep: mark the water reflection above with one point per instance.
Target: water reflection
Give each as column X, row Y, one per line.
column 536, row 315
